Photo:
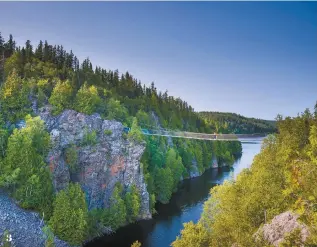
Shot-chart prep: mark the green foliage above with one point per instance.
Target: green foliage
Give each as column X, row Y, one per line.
column 193, row 235
column 133, row 203
column 24, row 171
column 49, row 72
column 292, row 239
column 70, row 215
column 72, row 157
column 49, row 236
column 116, row 214
column 87, row 99
column 41, row 97
column 281, row 178
column 135, row 133
column 179, row 161
column 90, row 138
column 95, row 227
column 164, row 184
column 143, row 119
column 4, row 135
column 152, row 203
column 124, row 135
column 116, row 111
column 61, row 97
column 175, row 164
column 14, row 98
column 136, row 244
column 107, row 132
column 234, row 123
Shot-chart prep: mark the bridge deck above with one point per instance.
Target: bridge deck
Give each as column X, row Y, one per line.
column 198, row 136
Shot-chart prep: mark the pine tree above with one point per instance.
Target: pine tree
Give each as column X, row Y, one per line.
column 39, row 51
column 24, row 170
column 133, row 203
column 28, row 51
column 9, row 47
column 46, row 52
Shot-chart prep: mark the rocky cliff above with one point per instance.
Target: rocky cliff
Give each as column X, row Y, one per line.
column 108, row 159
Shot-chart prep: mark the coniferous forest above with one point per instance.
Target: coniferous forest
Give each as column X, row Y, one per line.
column 46, row 74
column 158, row 124
column 34, row 76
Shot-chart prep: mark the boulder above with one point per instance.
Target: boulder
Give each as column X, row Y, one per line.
column 281, row 225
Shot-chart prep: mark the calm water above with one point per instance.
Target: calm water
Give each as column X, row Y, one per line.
column 185, row 205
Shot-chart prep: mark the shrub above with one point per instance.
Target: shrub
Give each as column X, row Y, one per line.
column 90, row 138
column 135, row 133
column 72, row 157
column 108, row 132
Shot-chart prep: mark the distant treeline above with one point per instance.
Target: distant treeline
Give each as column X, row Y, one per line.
column 234, row 123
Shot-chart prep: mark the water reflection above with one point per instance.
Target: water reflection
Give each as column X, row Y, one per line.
column 185, row 205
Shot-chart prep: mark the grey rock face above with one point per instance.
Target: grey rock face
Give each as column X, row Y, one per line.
column 281, row 225
column 100, row 166
column 24, row 226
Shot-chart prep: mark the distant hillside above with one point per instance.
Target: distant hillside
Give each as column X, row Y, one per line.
column 234, row 123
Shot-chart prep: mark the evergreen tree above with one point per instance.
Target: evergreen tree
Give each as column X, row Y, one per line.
column 175, row 164
column 116, row 214
column 39, row 51
column 164, row 184
column 61, row 97
column 87, row 99
column 14, row 98
column 70, row 215
column 135, row 133
column 9, row 46
column 133, row 203
column 24, row 170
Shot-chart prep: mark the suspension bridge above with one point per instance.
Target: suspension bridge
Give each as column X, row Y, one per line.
column 186, row 134
column 198, row 136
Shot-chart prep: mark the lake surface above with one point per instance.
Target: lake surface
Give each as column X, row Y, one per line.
column 185, row 205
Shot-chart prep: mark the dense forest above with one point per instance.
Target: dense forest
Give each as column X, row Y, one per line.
column 282, row 177
column 235, row 123
column 48, row 75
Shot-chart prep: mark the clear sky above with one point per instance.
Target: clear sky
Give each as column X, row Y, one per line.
column 253, row 58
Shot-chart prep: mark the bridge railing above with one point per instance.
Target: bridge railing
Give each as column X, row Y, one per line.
column 194, row 135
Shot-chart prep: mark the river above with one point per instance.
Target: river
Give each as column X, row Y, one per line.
column 185, row 205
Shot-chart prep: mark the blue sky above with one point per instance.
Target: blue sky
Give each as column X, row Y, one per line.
column 253, row 58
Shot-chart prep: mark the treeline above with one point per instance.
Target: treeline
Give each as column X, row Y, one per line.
column 31, row 78
column 235, row 123
column 64, row 81
column 60, row 79
column 282, row 177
